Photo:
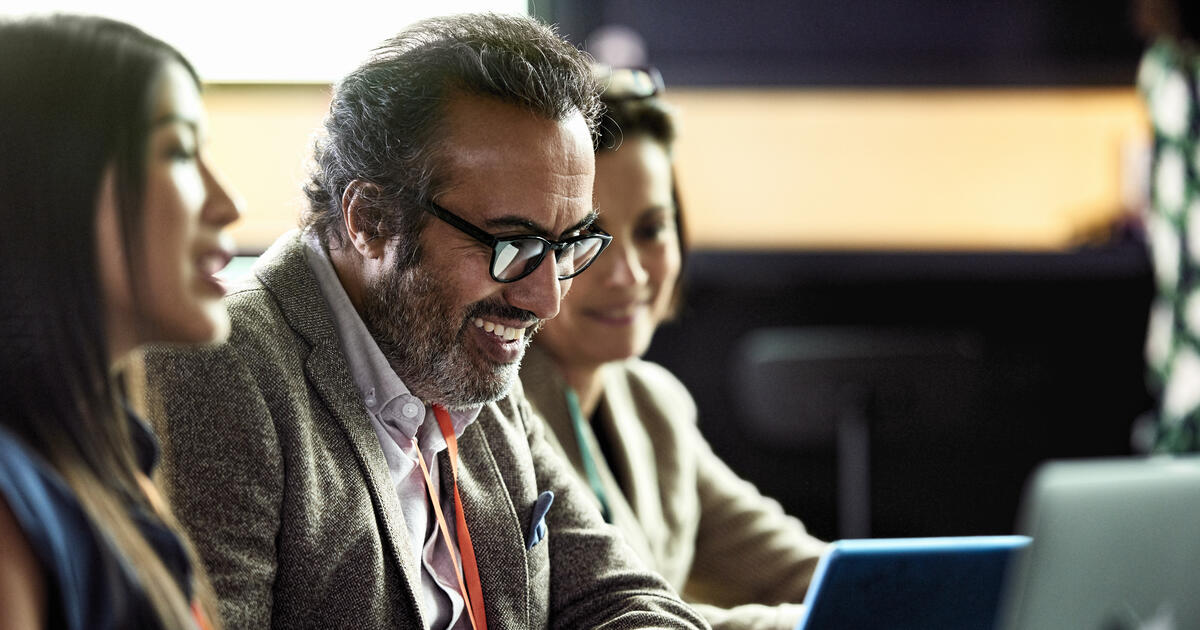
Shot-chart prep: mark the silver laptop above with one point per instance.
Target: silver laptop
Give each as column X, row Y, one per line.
column 1116, row 546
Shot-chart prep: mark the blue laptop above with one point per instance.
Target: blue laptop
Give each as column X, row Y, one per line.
column 951, row 583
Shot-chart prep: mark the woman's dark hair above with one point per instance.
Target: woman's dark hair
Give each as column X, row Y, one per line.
column 651, row 118
column 385, row 121
column 76, row 99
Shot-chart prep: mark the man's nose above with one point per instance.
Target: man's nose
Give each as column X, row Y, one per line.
column 540, row 292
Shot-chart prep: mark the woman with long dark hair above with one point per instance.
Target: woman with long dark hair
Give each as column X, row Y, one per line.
column 111, row 235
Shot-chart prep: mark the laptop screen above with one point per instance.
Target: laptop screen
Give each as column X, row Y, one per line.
column 909, row 583
column 1116, row 545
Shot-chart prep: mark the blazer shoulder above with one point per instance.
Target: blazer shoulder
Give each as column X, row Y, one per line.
column 259, row 342
column 652, row 385
column 256, row 319
column 652, row 374
column 252, row 305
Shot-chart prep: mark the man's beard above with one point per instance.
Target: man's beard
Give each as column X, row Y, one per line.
column 412, row 320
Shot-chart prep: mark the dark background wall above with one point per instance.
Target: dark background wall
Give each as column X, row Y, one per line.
column 970, row 369
column 869, row 42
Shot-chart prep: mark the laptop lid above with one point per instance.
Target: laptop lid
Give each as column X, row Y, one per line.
column 1116, row 545
column 909, row 583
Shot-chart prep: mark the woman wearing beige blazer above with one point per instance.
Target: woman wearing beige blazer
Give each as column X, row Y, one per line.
column 628, row 426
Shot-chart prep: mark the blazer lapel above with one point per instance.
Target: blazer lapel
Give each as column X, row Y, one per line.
column 544, row 387
column 620, row 416
column 327, row 372
column 295, row 288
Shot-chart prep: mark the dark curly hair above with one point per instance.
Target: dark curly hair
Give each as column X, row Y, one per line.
column 385, row 121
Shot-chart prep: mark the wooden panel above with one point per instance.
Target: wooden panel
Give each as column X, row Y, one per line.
column 902, row 169
column 260, row 140
column 891, row 169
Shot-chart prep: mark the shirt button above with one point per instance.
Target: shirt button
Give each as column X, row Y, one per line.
column 410, row 410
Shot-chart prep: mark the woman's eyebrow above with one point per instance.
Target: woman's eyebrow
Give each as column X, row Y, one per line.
column 173, row 118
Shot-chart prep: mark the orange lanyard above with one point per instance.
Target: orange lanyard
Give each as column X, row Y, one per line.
column 468, row 585
column 200, row 617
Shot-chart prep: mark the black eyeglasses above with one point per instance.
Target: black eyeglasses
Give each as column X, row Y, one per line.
column 515, row 257
column 627, row 84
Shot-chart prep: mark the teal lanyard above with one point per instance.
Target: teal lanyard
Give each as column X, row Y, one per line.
column 589, row 464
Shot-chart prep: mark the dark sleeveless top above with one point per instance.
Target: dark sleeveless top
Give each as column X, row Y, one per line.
column 89, row 584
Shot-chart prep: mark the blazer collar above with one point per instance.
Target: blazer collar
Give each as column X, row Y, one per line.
column 635, row 451
column 545, row 385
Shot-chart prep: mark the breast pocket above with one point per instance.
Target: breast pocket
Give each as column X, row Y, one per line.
column 537, row 560
column 537, row 556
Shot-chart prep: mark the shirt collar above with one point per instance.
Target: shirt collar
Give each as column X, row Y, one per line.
column 377, row 382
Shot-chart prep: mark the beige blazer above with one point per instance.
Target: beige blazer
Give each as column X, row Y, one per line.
column 731, row 551
column 275, row 472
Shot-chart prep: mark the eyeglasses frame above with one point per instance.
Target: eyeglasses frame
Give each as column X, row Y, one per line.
column 466, row 227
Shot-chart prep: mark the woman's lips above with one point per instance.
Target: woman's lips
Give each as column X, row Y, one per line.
column 210, row 263
column 616, row 315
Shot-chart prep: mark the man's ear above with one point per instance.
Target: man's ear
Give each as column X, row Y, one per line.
column 363, row 233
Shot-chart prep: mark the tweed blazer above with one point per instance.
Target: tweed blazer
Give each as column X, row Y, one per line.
column 732, row 552
column 274, row 470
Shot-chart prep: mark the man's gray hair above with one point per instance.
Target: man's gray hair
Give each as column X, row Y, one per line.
column 386, row 117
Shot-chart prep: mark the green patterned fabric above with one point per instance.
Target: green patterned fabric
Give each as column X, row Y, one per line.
column 1167, row 81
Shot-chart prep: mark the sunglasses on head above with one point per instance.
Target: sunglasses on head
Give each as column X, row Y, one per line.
column 624, row 84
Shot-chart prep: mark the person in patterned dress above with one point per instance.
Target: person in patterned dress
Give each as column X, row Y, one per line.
column 1167, row 80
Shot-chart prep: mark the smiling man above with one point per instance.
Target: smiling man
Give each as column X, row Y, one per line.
column 360, row 453
column 510, row 174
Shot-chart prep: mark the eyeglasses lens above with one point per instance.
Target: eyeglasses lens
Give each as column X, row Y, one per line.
column 514, row 258
column 578, row 255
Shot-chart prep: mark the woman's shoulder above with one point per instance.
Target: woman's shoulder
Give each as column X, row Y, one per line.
column 651, row 385
column 22, row 582
column 70, row 552
column 649, row 373
column 28, row 483
column 40, row 501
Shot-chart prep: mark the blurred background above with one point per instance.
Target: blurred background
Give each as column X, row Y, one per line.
column 916, row 269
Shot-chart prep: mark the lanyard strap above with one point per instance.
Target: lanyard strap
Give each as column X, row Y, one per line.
column 468, row 576
column 199, row 616
column 589, row 465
